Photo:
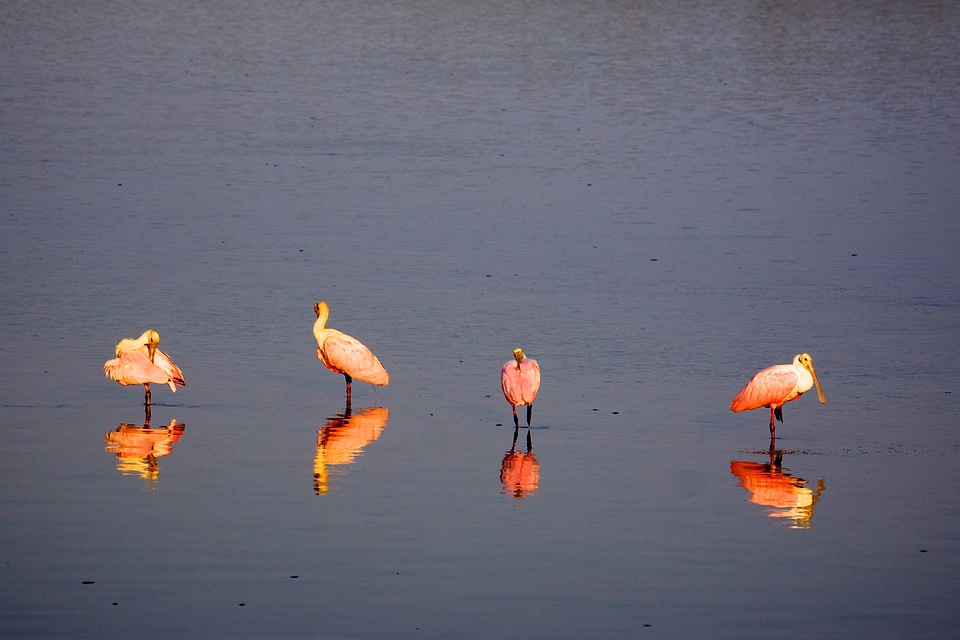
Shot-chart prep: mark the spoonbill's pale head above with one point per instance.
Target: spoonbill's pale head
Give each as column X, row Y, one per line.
column 806, row 361
column 321, row 308
column 153, row 339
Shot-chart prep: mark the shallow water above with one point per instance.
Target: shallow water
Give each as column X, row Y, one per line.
column 654, row 200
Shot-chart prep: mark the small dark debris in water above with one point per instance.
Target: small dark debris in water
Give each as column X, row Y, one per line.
column 242, row 604
column 616, row 413
column 87, row 582
column 947, row 392
column 853, row 255
column 499, row 424
column 648, row 625
column 301, row 250
column 115, row 603
column 596, row 409
column 119, row 184
column 653, row 259
column 589, row 185
column 294, row 577
column 923, row 550
column 431, row 414
column 489, row 275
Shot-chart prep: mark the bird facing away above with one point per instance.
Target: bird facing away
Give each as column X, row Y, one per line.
column 345, row 354
column 520, row 379
column 775, row 386
column 141, row 361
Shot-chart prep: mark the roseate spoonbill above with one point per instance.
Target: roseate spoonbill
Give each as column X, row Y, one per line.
column 777, row 385
column 520, row 379
column 141, row 361
column 345, row 354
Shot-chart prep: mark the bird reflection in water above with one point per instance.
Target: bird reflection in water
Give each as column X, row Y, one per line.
column 520, row 472
column 772, row 486
column 343, row 439
column 138, row 448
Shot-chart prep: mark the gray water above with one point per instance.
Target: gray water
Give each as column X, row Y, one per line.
column 653, row 199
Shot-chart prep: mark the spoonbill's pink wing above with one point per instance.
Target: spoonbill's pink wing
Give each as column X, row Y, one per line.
column 133, row 367
column 344, row 354
column 773, row 385
column 510, row 383
column 162, row 360
column 520, row 386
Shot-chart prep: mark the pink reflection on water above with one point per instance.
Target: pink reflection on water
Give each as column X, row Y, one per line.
column 772, row 486
column 137, row 449
column 519, row 471
column 343, row 439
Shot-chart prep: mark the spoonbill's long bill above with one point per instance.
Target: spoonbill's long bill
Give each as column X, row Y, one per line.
column 141, row 361
column 520, row 379
column 345, row 354
column 775, row 386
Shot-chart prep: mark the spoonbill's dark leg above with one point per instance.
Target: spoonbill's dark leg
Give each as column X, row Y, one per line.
column 529, row 413
column 529, row 441
column 146, row 416
column 516, row 420
column 516, row 432
column 773, row 427
column 349, row 385
column 146, row 395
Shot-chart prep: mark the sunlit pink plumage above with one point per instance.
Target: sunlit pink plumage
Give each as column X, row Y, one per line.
column 141, row 361
column 345, row 354
column 775, row 386
column 520, row 380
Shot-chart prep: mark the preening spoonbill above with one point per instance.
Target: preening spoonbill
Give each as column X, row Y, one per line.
column 345, row 354
column 141, row 361
column 775, row 386
column 520, row 379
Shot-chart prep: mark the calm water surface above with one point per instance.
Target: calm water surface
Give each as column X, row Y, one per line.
column 653, row 199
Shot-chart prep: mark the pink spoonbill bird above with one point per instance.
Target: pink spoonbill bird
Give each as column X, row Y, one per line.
column 141, row 361
column 520, row 379
column 345, row 354
column 775, row 386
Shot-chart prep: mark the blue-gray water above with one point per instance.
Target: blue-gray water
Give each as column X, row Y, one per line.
column 653, row 199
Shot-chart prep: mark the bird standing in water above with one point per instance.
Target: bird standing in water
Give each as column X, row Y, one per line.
column 520, row 379
column 775, row 386
column 345, row 354
column 141, row 361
